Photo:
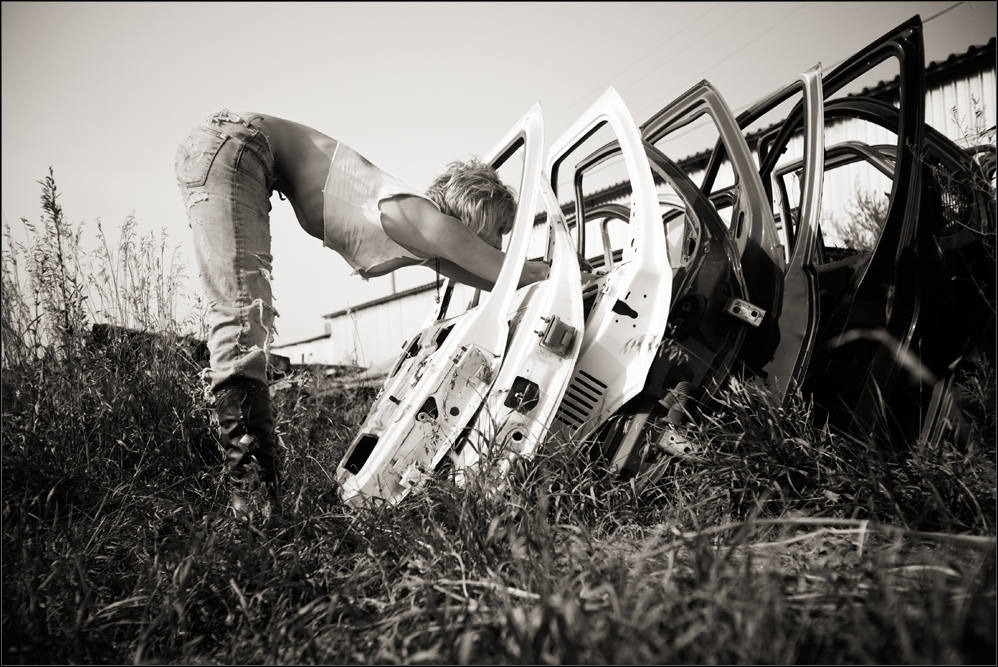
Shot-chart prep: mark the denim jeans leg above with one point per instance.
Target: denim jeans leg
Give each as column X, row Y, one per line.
column 226, row 172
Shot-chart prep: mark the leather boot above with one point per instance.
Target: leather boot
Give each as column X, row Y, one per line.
column 246, row 423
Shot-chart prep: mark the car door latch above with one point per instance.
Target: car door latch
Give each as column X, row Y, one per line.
column 557, row 336
column 523, row 395
column 745, row 311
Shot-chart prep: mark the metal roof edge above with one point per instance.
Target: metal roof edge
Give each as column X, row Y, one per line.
column 299, row 342
column 383, row 299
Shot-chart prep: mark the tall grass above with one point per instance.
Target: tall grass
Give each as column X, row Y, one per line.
column 777, row 542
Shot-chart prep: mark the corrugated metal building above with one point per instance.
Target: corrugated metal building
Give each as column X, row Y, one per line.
column 314, row 350
column 960, row 103
column 373, row 332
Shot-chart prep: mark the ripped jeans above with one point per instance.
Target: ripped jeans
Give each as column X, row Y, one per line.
column 225, row 170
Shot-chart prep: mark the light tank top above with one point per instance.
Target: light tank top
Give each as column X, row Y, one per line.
column 351, row 218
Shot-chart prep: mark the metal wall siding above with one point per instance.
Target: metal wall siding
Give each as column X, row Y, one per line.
column 310, row 352
column 375, row 335
column 968, row 97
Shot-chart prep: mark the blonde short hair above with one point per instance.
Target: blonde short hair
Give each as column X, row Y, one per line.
column 473, row 193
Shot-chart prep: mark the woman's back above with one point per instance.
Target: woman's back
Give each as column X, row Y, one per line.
column 302, row 156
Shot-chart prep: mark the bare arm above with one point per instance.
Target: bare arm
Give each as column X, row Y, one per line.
column 455, row 272
column 419, row 226
column 532, row 272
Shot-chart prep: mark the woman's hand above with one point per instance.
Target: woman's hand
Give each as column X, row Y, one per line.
column 533, row 271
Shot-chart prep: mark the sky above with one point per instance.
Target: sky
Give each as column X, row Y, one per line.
column 103, row 92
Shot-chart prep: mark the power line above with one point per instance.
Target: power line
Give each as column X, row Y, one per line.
column 623, row 70
column 842, row 60
column 752, row 40
column 676, row 47
column 940, row 13
column 728, row 56
column 712, row 67
column 838, row 62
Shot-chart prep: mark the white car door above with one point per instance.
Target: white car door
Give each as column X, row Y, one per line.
column 443, row 375
column 545, row 338
column 624, row 326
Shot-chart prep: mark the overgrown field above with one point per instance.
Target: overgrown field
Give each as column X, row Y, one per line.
column 779, row 542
